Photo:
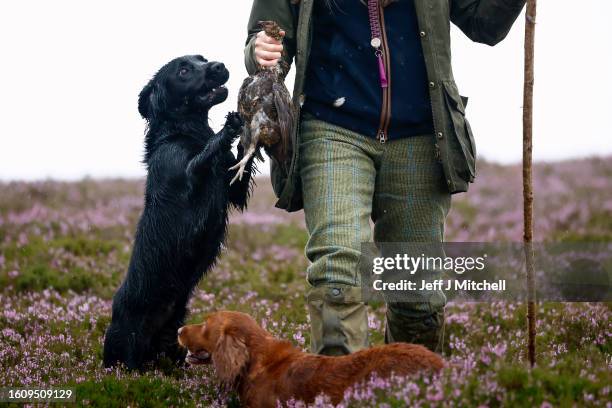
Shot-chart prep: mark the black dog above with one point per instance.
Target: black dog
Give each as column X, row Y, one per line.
column 183, row 225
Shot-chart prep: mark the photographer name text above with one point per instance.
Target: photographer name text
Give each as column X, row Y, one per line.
column 440, row 284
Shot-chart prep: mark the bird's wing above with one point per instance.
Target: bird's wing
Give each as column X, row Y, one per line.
column 286, row 117
column 244, row 99
column 245, row 108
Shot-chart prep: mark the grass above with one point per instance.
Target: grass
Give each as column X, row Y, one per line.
column 64, row 251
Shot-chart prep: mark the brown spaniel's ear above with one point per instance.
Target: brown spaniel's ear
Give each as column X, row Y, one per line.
column 230, row 357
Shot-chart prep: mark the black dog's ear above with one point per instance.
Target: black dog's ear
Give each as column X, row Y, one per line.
column 143, row 100
column 152, row 100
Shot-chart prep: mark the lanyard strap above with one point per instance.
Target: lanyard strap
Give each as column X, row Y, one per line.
column 376, row 40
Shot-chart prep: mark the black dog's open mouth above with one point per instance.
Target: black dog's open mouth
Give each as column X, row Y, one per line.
column 199, row 357
column 220, row 90
column 214, row 96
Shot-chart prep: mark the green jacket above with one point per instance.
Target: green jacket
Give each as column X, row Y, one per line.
column 484, row 21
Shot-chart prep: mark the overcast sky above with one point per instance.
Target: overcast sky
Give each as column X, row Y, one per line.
column 71, row 72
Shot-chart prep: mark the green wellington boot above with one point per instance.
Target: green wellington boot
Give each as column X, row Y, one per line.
column 411, row 326
column 338, row 320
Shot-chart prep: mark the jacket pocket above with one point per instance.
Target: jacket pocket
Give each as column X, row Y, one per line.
column 461, row 139
column 281, row 172
column 286, row 182
column 278, row 176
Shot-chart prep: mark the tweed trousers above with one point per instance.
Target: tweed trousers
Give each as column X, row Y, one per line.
column 348, row 180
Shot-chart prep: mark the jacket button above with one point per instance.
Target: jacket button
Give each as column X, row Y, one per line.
column 432, row 85
column 335, row 291
column 440, row 135
column 422, row 33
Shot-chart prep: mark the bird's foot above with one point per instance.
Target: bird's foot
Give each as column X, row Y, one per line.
column 241, row 165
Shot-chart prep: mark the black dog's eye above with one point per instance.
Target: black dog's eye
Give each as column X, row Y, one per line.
column 183, row 71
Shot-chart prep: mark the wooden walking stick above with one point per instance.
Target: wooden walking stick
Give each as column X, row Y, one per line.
column 530, row 20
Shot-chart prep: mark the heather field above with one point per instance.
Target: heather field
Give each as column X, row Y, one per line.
column 64, row 248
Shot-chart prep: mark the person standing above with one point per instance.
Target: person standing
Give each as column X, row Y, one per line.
column 382, row 135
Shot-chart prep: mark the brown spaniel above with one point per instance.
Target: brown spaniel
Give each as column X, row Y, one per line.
column 265, row 370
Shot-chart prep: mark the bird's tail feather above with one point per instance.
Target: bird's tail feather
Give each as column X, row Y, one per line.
column 286, row 120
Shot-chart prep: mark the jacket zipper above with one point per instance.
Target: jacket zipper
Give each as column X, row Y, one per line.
column 385, row 115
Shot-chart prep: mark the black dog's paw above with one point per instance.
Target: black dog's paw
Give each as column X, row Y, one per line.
column 234, row 124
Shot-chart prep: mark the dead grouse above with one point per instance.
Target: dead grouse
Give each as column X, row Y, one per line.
column 266, row 107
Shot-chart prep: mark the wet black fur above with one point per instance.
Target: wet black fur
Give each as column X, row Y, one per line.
column 183, row 224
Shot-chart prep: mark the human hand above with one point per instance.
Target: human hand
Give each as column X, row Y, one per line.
column 267, row 50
